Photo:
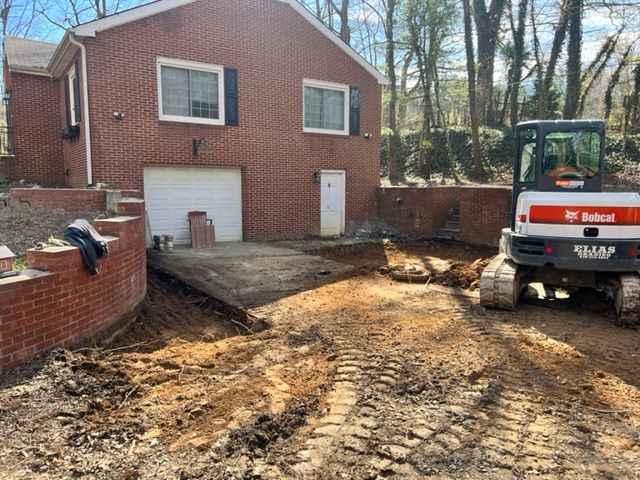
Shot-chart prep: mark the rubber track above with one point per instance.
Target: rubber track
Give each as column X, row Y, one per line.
column 500, row 284
column 628, row 299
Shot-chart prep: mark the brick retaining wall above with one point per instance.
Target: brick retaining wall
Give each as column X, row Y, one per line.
column 487, row 210
column 66, row 198
column 57, row 303
column 484, row 210
column 416, row 211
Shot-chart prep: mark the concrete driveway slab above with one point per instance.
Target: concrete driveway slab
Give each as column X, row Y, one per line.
column 248, row 275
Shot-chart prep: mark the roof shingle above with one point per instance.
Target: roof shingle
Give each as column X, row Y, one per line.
column 28, row 54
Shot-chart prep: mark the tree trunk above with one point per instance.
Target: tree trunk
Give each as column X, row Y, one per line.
column 402, row 103
column 613, row 83
column 445, row 128
column 343, row 13
column 595, row 69
column 573, row 60
column 536, row 49
column 392, row 159
column 518, row 58
column 487, row 30
column 634, row 100
column 556, row 48
column 478, row 170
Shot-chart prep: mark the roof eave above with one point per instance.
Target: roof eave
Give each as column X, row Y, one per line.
column 29, row 70
column 57, row 63
column 90, row 29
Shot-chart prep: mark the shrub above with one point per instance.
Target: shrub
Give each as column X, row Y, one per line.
column 497, row 152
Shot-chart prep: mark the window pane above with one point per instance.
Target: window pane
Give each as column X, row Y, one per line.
column 572, row 155
column 312, row 107
column 527, row 155
column 333, row 110
column 323, row 108
column 204, row 94
column 175, row 91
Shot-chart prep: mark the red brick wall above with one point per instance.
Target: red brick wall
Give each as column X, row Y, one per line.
column 416, row 211
column 484, row 212
column 273, row 48
column 67, row 198
column 66, row 305
column 74, row 150
column 34, row 110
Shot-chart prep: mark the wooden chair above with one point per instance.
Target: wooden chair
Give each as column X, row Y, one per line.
column 203, row 233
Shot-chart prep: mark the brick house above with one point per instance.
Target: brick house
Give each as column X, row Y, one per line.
column 249, row 109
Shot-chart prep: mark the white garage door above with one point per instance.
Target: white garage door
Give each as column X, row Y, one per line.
column 171, row 192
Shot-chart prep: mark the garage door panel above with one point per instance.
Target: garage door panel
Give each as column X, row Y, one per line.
column 172, row 192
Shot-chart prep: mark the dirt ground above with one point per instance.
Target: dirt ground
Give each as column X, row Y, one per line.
column 364, row 377
column 22, row 227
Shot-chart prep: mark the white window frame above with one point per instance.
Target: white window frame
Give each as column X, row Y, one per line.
column 203, row 67
column 71, row 76
column 306, row 82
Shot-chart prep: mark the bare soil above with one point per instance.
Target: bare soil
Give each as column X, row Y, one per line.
column 364, row 378
column 22, row 227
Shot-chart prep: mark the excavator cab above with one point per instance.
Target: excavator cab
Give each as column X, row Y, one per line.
column 564, row 230
column 554, row 156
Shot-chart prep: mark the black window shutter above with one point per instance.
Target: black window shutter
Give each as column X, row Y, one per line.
column 67, row 100
column 354, row 111
column 76, row 93
column 231, row 97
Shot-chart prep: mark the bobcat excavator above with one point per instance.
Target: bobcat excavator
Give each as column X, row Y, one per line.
column 565, row 231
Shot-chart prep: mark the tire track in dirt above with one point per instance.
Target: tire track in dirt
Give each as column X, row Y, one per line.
column 504, row 422
column 498, row 421
column 346, row 424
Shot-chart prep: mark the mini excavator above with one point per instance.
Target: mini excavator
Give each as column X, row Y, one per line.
column 565, row 231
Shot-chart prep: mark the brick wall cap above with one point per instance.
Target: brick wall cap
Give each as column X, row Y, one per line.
column 52, row 250
column 25, row 275
column 131, row 200
column 409, row 187
column 58, row 190
column 115, row 220
column 504, row 187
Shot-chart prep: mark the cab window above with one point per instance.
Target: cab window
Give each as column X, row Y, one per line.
column 572, row 155
column 527, row 155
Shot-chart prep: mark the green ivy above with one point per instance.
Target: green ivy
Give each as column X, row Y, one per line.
column 497, row 152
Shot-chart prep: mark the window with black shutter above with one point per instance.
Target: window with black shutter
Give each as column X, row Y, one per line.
column 72, row 96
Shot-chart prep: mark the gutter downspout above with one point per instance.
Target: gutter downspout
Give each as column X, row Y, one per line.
column 85, row 102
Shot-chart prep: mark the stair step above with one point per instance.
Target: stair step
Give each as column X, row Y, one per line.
column 454, row 217
column 452, row 225
column 447, row 234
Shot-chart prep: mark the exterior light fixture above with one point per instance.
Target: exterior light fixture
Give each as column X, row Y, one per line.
column 316, row 177
column 6, row 96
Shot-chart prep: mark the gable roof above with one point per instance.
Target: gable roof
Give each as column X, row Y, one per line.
column 28, row 54
column 5, row 252
column 90, row 29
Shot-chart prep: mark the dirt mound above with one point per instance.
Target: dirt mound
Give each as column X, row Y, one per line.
column 458, row 274
column 462, row 274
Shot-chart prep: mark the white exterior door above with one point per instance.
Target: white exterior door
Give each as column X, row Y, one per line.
column 171, row 192
column 332, row 202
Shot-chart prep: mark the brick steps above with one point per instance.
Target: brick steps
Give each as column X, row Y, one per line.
column 451, row 228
